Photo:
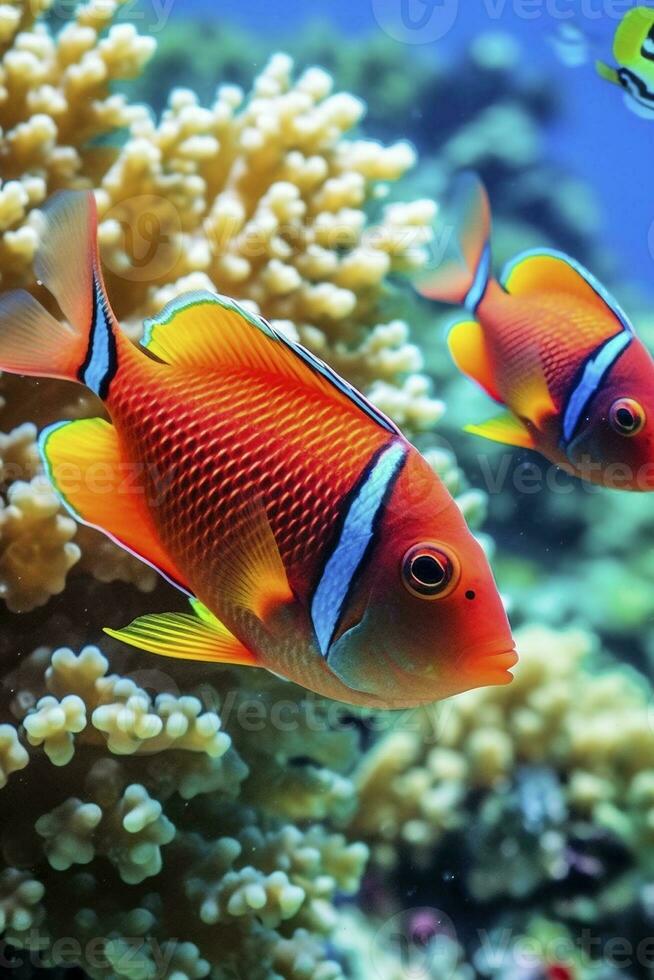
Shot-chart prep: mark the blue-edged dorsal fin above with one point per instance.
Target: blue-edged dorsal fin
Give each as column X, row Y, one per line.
column 84, row 462
column 548, row 271
column 202, row 330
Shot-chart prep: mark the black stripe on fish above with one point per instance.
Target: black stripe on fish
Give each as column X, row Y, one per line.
column 636, row 87
column 647, row 49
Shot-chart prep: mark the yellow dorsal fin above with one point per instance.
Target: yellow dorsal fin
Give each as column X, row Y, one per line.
column 505, row 428
column 202, row 330
column 631, row 34
column 553, row 272
column 253, row 576
column 84, row 462
column 185, row 636
column 469, row 353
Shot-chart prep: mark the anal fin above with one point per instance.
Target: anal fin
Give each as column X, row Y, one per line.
column 84, row 462
column 184, row 636
column 506, row 428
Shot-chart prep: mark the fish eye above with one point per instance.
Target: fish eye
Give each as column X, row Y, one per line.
column 626, row 416
column 429, row 572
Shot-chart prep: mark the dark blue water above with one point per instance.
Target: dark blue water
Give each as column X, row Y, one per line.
column 597, row 137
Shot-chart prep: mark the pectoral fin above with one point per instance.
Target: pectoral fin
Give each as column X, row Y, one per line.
column 253, row 576
column 186, row 637
column 606, row 72
column 506, row 428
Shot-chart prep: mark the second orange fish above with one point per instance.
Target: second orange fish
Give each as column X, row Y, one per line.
column 550, row 345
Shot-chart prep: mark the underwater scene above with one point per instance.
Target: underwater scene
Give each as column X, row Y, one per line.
column 326, row 472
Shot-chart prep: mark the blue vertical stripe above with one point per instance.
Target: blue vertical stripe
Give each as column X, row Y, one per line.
column 365, row 507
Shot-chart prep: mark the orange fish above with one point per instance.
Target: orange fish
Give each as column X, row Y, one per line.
column 311, row 538
column 554, row 348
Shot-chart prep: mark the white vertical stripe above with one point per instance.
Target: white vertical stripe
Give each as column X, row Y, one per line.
column 356, row 534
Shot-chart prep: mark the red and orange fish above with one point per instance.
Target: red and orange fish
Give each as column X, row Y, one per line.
column 310, row 536
column 554, row 348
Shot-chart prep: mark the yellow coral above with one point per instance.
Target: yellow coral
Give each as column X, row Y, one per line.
column 592, row 727
column 13, row 756
column 36, row 546
column 54, row 97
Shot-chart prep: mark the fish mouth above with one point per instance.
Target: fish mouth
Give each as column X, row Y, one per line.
column 490, row 663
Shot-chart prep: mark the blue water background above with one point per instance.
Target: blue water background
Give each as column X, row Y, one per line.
column 596, row 137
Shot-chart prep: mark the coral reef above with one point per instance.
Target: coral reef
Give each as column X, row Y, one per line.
column 552, row 775
column 157, row 844
column 174, row 822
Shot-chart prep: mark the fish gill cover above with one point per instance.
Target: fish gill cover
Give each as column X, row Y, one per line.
column 160, row 821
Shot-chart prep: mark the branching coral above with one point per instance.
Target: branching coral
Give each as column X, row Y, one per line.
column 265, row 199
column 36, row 546
column 54, row 98
column 552, row 774
column 135, row 799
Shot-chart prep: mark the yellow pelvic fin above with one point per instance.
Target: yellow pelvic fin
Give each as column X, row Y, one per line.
column 253, row 576
column 631, row 35
column 606, row 72
column 205, row 331
column 84, row 462
column 470, row 354
column 186, row 637
column 506, row 428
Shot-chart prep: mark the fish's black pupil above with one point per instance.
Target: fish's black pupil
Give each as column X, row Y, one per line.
column 625, row 418
column 428, row 570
